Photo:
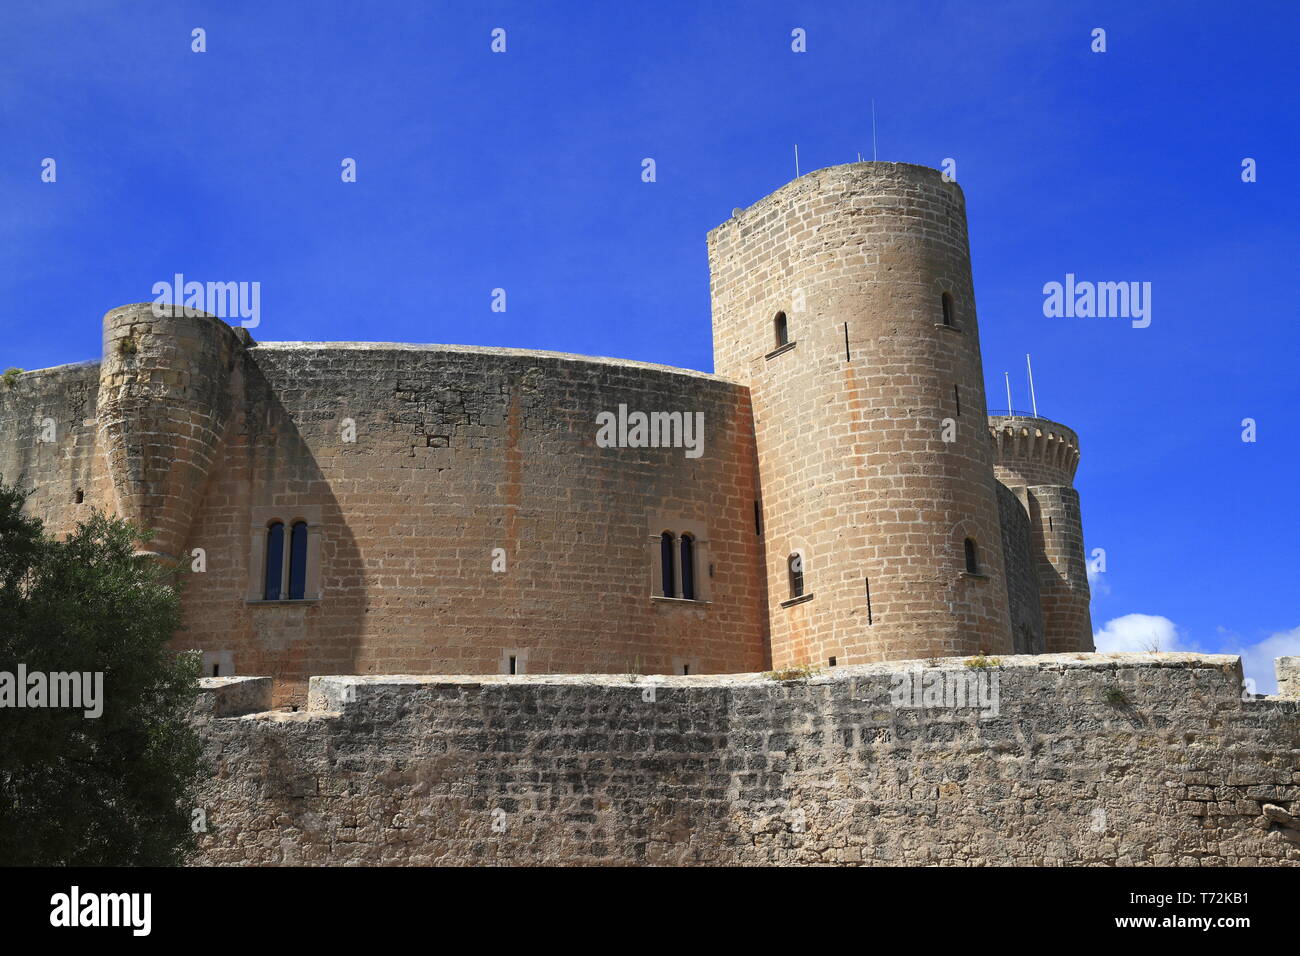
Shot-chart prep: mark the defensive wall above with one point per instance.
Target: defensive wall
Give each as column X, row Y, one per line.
column 1078, row 759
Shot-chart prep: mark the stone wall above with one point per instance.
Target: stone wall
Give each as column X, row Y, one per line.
column 1078, row 759
column 48, row 444
column 1023, row 599
column 460, row 452
column 469, row 518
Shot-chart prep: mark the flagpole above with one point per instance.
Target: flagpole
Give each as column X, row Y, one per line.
column 1033, row 399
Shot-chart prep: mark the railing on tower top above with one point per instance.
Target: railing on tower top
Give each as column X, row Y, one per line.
column 1014, row 413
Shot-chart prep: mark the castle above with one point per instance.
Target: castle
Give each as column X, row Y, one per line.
column 834, row 495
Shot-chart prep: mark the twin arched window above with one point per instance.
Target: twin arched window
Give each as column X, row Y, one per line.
column 677, row 554
column 285, row 582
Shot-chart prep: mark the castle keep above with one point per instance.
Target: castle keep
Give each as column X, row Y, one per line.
column 365, row 508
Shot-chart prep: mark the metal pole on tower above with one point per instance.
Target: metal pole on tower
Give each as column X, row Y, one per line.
column 1033, row 399
column 1007, row 376
column 873, row 130
column 796, row 160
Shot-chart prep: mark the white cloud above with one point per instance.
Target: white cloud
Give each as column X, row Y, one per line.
column 1145, row 632
column 1097, row 582
column 1138, row 632
column 1257, row 659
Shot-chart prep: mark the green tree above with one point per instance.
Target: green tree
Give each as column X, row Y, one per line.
column 117, row 789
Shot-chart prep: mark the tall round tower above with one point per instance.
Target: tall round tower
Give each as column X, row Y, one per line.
column 1036, row 458
column 844, row 301
column 164, row 401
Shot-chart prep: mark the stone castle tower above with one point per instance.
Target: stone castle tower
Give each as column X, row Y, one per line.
column 844, row 302
column 378, row 508
column 164, row 404
column 1036, row 460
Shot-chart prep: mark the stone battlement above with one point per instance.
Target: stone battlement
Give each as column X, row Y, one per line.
column 1062, row 759
column 1053, row 446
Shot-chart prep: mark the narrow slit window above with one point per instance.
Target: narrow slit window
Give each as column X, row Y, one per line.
column 666, row 563
column 956, row 397
column 688, row 567
column 514, row 664
column 795, row 563
column 947, row 308
column 972, row 558
column 274, row 561
column 298, row 561
column 782, row 327
column 867, row 582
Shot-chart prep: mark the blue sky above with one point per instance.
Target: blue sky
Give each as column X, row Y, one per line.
column 522, row 171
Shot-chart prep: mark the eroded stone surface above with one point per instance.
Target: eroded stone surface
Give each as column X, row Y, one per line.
column 1090, row 759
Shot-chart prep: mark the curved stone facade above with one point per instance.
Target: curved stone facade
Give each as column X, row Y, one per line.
column 472, row 518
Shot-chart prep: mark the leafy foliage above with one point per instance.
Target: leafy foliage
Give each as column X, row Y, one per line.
column 111, row 790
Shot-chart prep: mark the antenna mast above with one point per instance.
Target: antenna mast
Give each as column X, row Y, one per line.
column 1033, row 400
column 873, row 130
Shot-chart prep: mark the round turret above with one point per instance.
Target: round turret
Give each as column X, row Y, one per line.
column 1033, row 451
column 844, row 300
column 1036, row 459
column 164, row 401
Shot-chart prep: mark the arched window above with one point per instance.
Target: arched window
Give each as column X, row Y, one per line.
column 972, row 558
column 274, row 561
column 947, row 308
column 298, row 561
column 795, row 564
column 782, row 330
column 666, row 563
column 688, row 567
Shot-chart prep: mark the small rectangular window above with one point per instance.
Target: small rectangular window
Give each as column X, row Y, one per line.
column 688, row 567
column 667, row 568
column 513, row 664
column 274, row 561
column 298, row 561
